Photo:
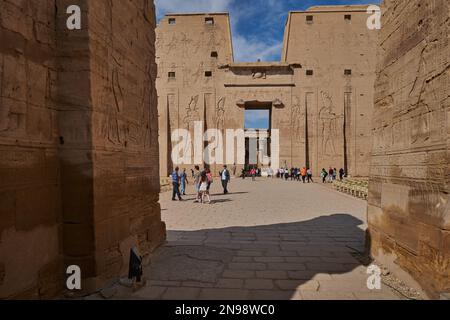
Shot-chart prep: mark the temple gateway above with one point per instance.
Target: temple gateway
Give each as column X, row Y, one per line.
column 319, row 96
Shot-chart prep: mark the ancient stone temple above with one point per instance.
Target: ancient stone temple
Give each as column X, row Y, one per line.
column 78, row 142
column 409, row 218
column 319, row 96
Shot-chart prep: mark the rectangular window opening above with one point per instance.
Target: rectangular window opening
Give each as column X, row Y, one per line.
column 348, row 72
column 309, row 72
column 208, row 74
column 172, row 21
column 209, row 21
column 171, row 75
column 348, row 17
column 309, row 19
column 214, row 54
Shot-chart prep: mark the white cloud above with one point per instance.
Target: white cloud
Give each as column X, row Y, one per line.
column 253, row 49
column 245, row 49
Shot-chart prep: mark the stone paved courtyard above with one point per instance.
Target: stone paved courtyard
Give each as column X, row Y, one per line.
column 268, row 239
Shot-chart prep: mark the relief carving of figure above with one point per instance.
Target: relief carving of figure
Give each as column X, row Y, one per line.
column 112, row 128
column 220, row 113
column 186, row 42
column 192, row 113
column 296, row 118
column 191, row 76
column 328, row 125
column 172, row 44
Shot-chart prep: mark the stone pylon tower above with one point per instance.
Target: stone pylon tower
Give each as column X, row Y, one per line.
column 79, row 160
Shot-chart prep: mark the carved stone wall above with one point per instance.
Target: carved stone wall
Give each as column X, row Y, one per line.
column 30, row 220
column 189, row 47
column 325, row 119
column 339, row 106
column 79, row 178
column 409, row 220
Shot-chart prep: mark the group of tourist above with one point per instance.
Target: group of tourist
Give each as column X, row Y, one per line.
column 298, row 174
column 252, row 172
column 331, row 175
column 306, row 175
column 203, row 180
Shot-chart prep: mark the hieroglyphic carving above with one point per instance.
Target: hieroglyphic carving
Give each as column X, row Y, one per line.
column 296, row 118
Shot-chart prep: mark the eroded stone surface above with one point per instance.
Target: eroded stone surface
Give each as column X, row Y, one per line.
column 408, row 191
column 78, row 143
column 187, row 263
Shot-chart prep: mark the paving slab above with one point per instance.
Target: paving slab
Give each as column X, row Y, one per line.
column 266, row 240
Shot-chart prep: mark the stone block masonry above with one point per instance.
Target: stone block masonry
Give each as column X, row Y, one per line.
column 79, row 177
column 408, row 213
column 319, row 100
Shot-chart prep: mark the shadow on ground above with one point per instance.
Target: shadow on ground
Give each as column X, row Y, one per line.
column 313, row 259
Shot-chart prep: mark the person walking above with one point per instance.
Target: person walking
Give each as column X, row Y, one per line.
column 197, row 176
column 243, row 173
column 225, row 178
column 309, row 174
column 330, row 175
column 176, row 184
column 204, row 188
column 184, row 181
column 334, row 174
column 253, row 174
column 303, row 172
column 209, row 178
column 324, row 175
column 341, row 174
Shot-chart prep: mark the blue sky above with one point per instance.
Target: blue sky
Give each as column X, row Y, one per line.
column 257, row 28
column 257, row 119
column 257, row 25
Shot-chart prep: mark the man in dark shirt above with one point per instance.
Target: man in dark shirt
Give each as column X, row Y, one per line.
column 176, row 185
column 225, row 178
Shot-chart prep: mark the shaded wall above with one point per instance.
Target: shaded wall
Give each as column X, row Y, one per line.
column 30, row 220
column 78, row 136
column 409, row 220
